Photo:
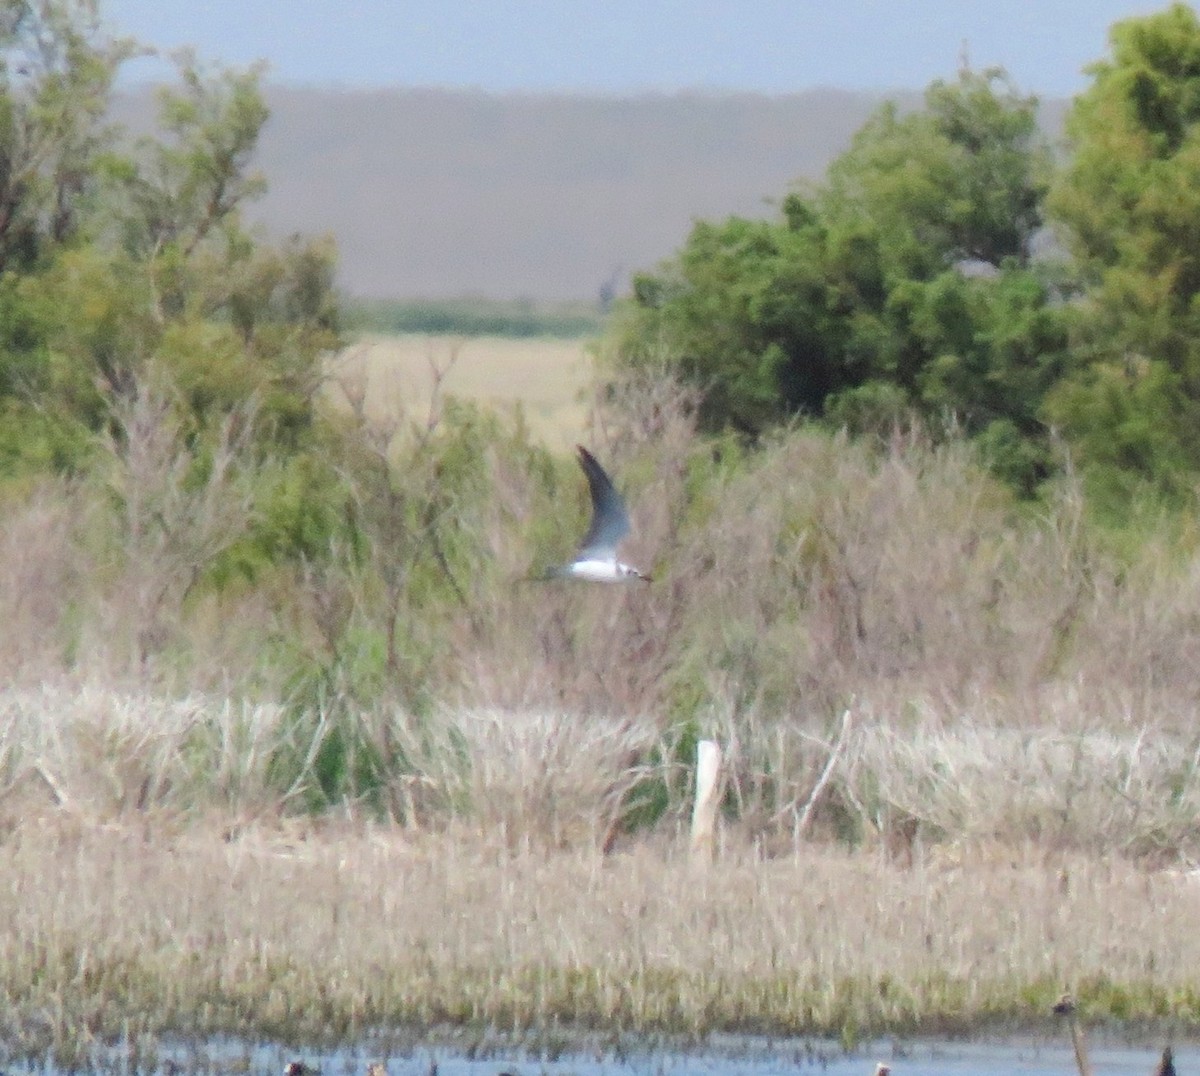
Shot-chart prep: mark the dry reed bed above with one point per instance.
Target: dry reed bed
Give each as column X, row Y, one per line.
column 909, row 780
column 325, row 933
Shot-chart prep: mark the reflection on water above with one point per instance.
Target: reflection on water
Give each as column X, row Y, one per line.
column 728, row 1057
column 780, row 1059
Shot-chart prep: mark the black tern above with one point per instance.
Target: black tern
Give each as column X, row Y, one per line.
column 596, row 561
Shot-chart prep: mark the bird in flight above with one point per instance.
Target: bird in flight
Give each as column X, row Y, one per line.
column 596, row 561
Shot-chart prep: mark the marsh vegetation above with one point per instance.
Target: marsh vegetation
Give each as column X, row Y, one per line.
column 290, row 745
column 329, row 932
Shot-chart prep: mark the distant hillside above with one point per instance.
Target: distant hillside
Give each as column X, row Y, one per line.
column 439, row 193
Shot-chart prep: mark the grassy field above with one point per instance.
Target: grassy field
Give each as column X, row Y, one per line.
column 320, row 933
column 547, row 378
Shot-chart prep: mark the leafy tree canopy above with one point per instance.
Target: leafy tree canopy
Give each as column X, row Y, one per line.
column 124, row 261
column 1130, row 206
column 905, row 282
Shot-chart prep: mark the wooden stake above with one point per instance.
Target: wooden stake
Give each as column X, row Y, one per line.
column 708, row 800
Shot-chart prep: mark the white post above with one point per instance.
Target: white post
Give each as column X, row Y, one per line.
column 708, row 800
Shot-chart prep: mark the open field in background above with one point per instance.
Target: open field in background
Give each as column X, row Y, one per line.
column 548, row 379
column 322, row 933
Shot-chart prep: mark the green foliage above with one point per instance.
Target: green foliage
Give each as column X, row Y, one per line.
column 1131, row 208
column 301, row 506
column 190, row 182
column 961, row 180
column 997, row 347
column 150, row 344
column 391, row 527
column 120, row 265
column 906, row 287
column 651, row 798
column 1133, row 424
column 56, row 70
column 874, row 408
column 390, row 524
column 326, row 754
column 866, row 302
column 744, row 308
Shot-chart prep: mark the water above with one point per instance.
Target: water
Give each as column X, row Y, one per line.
column 729, row 1057
column 747, row 1058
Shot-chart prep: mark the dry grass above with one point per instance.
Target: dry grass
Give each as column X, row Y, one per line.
column 548, row 379
column 323, row 932
column 912, row 791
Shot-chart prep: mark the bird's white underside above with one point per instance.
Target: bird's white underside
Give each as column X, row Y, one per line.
column 601, row 571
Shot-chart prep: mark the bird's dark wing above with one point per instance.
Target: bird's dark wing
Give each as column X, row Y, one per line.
column 610, row 521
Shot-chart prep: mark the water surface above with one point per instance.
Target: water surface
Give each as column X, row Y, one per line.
column 725, row 1057
column 1029, row 1058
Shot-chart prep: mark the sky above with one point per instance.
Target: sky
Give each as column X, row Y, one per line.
column 621, row 47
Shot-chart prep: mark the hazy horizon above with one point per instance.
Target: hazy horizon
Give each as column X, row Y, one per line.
column 434, row 194
column 444, row 194
column 509, row 151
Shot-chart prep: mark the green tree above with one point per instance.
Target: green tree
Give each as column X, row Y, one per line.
column 905, row 282
column 743, row 311
column 192, row 178
column 56, row 71
column 1130, row 207
column 959, row 184
column 128, row 263
column 962, row 179
column 235, row 316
